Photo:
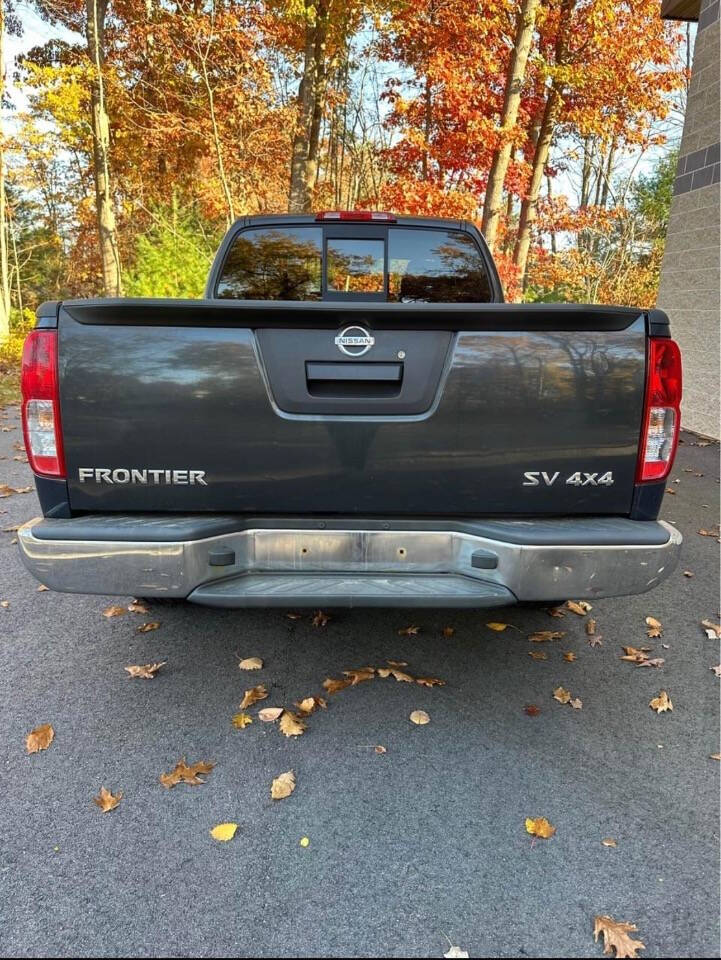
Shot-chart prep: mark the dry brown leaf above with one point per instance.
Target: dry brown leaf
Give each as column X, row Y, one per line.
column 283, row 785
column 181, row 772
column 569, row 656
column 581, row 607
column 5, row 604
column 654, row 628
column 291, row 724
column 147, row 627
column 310, row 705
column 609, row 842
column 253, row 696
column 384, row 672
column 531, row 709
column 113, row 611
column 713, row 532
column 320, row 619
column 270, row 714
column 359, row 675
column 294, row 616
column 688, row 573
column 590, row 626
column 42, row 588
column 420, row 717
column 7, row 491
column 448, row 632
column 652, row 662
column 408, row 631
column 543, row 636
column 250, row 663
column 576, row 703
column 716, row 670
column 715, row 756
column 397, row 663
column 538, row 654
column 381, row 749
column 40, row 738
column 106, row 800
column 634, row 655
column 137, row 606
column 557, row 612
column 147, row 671
column 661, row 703
column 331, row 685
column 539, row 827
column 430, row 682
column 563, row 696
column 713, row 630
column 616, row 937
column 595, row 641
column 241, row 720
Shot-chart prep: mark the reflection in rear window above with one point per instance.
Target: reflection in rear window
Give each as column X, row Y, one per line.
column 355, row 266
column 276, row 263
column 435, row 266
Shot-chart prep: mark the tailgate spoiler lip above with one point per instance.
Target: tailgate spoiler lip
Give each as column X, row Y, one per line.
column 252, row 314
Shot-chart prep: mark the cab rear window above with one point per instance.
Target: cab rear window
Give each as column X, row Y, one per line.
column 400, row 264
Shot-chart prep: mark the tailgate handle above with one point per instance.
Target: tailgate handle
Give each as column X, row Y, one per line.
column 384, row 372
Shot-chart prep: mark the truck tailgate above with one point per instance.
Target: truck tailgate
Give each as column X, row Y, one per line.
column 253, row 408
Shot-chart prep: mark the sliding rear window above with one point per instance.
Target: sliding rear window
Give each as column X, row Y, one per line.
column 400, row 264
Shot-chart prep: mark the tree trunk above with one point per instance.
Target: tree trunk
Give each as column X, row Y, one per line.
column 529, row 207
column 109, row 251
column 310, row 107
column 493, row 202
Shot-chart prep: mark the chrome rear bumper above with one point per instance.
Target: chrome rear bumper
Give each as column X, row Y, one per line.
column 261, row 566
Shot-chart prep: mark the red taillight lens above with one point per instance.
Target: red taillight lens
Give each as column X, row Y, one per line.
column 41, row 404
column 662, row 410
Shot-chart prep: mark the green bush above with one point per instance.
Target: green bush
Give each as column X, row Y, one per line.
column 11, row 352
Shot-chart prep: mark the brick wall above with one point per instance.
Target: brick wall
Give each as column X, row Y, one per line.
column 690, row 287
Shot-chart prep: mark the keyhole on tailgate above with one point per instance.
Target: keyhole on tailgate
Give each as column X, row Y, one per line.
column 401, row 551
column 304, row 549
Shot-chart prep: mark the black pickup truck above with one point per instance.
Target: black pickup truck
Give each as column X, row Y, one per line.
column 351, row 416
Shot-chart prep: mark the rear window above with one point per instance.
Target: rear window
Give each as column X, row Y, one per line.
column 274, row 264
column 404, row 265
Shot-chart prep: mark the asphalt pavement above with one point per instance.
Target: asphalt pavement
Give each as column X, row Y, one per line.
column 410, row 850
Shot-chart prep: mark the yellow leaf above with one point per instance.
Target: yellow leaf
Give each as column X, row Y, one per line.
column 241, row 720
column 569, row 657
column 40, row 738
column 498, row 627
column 539, row 827
column 661, row 703
column 291, row 725
column 420, row 717
column 253, row 696
column 563, row 696
column 616, row 937
column 106, row 800
column 283, row 786
column 304, row 841
column 251, row 663
column 147, row 671
column 224, row 832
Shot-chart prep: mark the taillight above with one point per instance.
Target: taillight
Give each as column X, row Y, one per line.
column 41, row 404
column 375, row 215
column 662, row 410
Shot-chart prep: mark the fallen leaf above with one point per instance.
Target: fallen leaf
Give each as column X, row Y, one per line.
column 688, row 573
column 270, row 714
column 715, row 756
column 420, row 717
column 147, row 671
column 106, row 800
column 590, row 626
column 5, row 604
column 359, row 675
column 113, row 611
column 320, row 619
column 557, row 612
column 669, row 490
column 543, row 636
column 291, row 724
column 713, row 532
column 595, row 641
column 399, row 675
column 538, row 654
column 448, row 631
column 253, row 696
column 294, row 616
column 304, row 841
column 224, row 832
column 581, row 607
column 283, row 786
column 42, row 588
column 654, row 627
column 569, row 656
column 138, row 607
column 713, row 630
column 716, row 670
column 609, row 842
column 539, row 827
column 181, row 772
column 455, row 953
column 576, row 703
column 251, row 663
column 7, row 491
column 241, row 720
column 661, row 703
column 634, row 655
column 531, row 709
column 616, row 937
column 652, row 662
column 381, row 749
column 563, row 696
column 332, row 685
column 310, row 705
column 498, row 627
column 397, row 663
column 147, row 627
column 408, row 631
column 40, row 738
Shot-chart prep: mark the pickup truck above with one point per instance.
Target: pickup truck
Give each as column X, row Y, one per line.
column 351, row 416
